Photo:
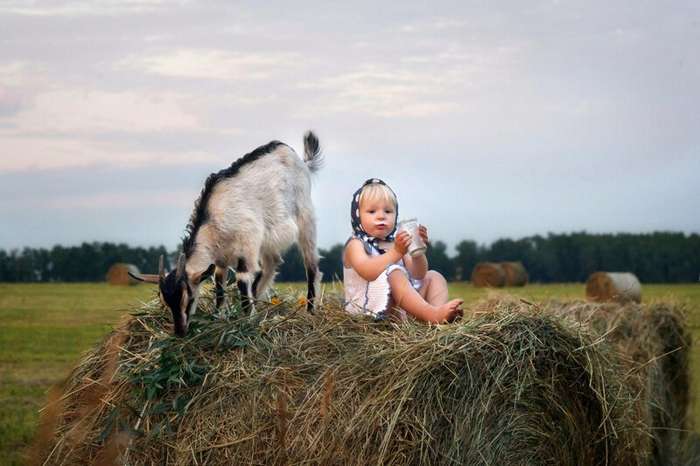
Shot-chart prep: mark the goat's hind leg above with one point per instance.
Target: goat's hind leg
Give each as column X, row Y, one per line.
column 307, row 244
column 263, row 279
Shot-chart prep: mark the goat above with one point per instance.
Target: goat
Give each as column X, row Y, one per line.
column 246, row 217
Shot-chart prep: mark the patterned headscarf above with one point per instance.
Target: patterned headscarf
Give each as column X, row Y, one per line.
column 357, row 230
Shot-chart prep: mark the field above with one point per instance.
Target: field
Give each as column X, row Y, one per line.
column 45, row 328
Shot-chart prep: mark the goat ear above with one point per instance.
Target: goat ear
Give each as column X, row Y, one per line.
column 145, row 277
column 149, row 277
column 200, row 277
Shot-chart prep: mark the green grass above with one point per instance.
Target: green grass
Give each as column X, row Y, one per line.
column 44, row 329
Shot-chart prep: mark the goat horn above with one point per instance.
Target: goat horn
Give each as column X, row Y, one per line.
column 161, row 267
column 180, row 266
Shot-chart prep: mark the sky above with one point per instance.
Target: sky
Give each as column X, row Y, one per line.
column 488, row 119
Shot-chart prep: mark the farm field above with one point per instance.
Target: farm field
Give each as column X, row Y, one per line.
column 45, row 327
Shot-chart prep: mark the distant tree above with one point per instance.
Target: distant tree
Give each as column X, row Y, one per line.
column 509, row 250
column 438, row 260
column 467, row 257
column 4, row 267
column 331, row 263
column 292, row 269
column 659, row 257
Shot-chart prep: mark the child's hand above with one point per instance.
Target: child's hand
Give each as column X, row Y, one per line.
column 423, row 233
column 402, row 242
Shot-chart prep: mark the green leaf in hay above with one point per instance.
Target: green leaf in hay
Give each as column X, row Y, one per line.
column 110, row 423
column 151, row 392
column 160, row 408
column 180, row 403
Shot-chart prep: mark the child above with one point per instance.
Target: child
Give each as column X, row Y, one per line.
column 378, row 274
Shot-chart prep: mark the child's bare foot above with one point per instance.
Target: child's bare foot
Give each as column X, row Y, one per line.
column 450, row 311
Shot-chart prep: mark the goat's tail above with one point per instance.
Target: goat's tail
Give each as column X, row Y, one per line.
column 312, row 152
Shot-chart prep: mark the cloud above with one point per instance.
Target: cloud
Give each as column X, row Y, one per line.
column 214, row 64
column 76, row 111
column 17, row 78
column 180, row 198
column 420, row 84
column 81, row 8
column 439, row 24
column 75, row 128
column 22, row 154
column 385, row 92
column 10, row 103
column 15, row 73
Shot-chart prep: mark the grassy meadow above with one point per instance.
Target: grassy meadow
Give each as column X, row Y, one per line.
column 44, row 328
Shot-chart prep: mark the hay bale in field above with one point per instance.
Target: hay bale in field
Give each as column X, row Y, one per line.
column 488, row 274
column 515, row 273
column 513, row 384
column 118, row 274
column 656, row 340
column 613, row 286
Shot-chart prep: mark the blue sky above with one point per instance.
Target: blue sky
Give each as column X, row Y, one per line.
column 488, row 120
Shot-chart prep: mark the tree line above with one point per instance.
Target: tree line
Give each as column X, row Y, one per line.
column 659, row 257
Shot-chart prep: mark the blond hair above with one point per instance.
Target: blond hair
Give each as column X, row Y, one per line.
column 376, row 191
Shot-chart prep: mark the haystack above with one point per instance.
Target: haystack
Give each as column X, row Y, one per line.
column 613, row 286
column 513, row 383
column 488, row 274
column 656, row 342
column 118, row 274
column 515, row 272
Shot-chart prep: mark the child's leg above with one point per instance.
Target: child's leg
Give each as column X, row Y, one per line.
column 434, row 288
column 407, row 298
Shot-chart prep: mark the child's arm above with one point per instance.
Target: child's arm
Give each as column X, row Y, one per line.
column 417, row 266
column 370, row 267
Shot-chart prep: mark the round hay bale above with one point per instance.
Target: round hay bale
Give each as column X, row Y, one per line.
column 515, row 272
column 511, row 385
column 613, row 286
column 488, row 274
column 657, row 342
column 668, row 324
column 118, row 274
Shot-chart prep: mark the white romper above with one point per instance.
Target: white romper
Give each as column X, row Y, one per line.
column 371, row 298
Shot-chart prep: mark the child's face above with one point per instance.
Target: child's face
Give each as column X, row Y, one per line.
column 377, row 217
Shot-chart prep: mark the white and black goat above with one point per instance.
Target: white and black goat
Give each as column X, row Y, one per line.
column 246, row 217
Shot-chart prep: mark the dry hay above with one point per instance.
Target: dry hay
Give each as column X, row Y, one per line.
column 118, row 274
column 613, row 286
column 515, row 272
column 654, row 340
column 488, row 274
column 512, row 384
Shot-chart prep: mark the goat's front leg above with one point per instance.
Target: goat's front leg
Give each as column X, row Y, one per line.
column 245, row 288
column 246, row 272
column 219, row 278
